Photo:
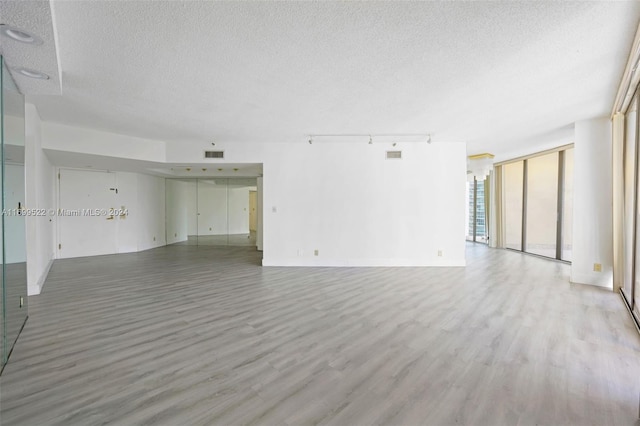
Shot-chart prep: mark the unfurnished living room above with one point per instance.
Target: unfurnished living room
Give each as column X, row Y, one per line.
column 323, row 212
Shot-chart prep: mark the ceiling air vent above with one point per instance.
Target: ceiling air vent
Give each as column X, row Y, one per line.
column 394, row 155
column 214, row 154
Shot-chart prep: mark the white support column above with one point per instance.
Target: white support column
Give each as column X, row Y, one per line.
column 618, row 200
column 260, row 213
column 592, row 204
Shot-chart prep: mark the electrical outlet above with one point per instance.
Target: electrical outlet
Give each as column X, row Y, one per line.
column 154, row 238
column 597, row 267
column 316, row 252
column 300, row 252
column 439, row 253
column 210, row 229
column 175, row 235
column 21, row 301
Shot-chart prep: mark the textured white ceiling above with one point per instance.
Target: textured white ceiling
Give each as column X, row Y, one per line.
column 34, row 16
column 493, row 74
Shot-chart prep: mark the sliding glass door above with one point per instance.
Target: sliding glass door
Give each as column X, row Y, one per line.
column 629, row 198
column 542, row 205
column 513, row 199
column 631, row 212
column 537, row 204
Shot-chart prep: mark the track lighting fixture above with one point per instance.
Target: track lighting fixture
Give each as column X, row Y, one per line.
column 382, row 137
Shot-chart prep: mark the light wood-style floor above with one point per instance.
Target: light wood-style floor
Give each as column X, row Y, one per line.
column 185, row 335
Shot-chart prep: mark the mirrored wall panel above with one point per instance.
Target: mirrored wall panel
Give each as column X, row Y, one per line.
column 14, row 257
column 212, row 211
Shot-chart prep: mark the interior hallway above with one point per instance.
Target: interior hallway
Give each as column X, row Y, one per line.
column 202, row 335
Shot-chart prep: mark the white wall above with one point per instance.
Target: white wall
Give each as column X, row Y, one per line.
column 14, row 129
column 358, row 208
column 343, row 199
column 151, row 212
column 95, row 142
column 143, row 227
column 592, row 200
column 127, row 226
column 40, row 194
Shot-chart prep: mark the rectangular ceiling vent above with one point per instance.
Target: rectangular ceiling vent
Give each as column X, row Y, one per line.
column 394, row 155
column 214, row 154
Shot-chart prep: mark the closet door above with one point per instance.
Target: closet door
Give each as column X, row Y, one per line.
column 86, row 198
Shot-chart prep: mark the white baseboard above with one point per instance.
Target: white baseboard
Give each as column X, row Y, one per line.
column 37, row 289
column 319, row 262
column 599, row 279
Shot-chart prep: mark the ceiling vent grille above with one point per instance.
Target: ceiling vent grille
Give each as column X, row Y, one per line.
column 214, row 154
column 394, row 155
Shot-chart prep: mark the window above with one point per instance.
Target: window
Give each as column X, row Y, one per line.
column 476, row 225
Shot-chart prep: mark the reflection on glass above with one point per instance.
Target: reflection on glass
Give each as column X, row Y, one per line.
column 476, row 220
column 629, row 196
column 567, row 212
column 468, row 216
column 513, row 178
column 181, row 211
column 481, row 217
column 15, row 255
column 542, row 204
column 239, row 212
column 212, row 211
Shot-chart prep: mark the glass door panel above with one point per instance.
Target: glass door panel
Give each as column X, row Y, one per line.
column 542, row 205
column 629, row 196
column 633, row 293
column 513, row 187
column 567, row 208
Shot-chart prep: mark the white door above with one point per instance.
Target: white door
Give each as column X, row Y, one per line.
column 85, row 227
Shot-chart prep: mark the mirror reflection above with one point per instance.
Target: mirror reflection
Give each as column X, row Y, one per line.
column 212, row 211
column 15, row 254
